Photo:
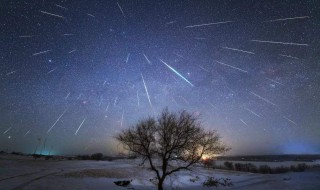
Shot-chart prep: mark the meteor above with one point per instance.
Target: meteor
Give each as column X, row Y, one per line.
column 232, row 66
column 146, row 89
column 264, row 99
column 234, row 49
column 176, row 72
column 57, row 120
column 243, row 122
column 60, row 6
column 27, row 132
column 26, row 36
column 289, row 56
column 41, row 52
column 207, row 24
column 289, row 120
column 274, row 81
column 138, row 98
column 121, row 119
column 90, row 15
column 72, row 51
column 52, row 70
column 79, row 126
column 284, row 19
column 121, row 10
column 283, row 43
column 7, row 130
column 51, row 14
column 254, row 113
column 147, row 58
column 128, row 56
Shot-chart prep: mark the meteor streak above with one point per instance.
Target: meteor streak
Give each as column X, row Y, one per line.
column 147, row 58
column 289, row 56
column 264, row 99
column 90, row 15
column 243, row 122
column 128, row 56
column 121, row 10
column 60, row 6
column 51, row 14
column 239, row 50
column 290, row 120
column 138, row 98
column 57, row 120
column 41, row 52
column 176, row 72
column 207, row 24
column 146, row 89
column 254, row 113
column 107, row 106
column 171, row 22
column 274, row 81
column 283, row 43
column 115, row 101
column 232, row 67
column 26, row 36
column 27, row 133
column 79, row 126
column 72, row 51
column 67, row 96
column 121, row 119
column 52, row 70
column 10, row 73
column 284, row 19
column 7, row 130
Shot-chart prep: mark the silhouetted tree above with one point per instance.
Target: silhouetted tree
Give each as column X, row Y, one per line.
column 173, row 142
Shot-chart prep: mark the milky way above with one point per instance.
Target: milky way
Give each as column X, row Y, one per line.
column 75, row 73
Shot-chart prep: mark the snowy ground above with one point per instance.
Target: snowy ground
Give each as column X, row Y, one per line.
column 18, row 172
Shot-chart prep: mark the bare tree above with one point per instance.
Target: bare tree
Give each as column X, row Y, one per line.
column 173, row 142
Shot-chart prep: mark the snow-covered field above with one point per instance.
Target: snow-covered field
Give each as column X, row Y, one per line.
column 18, row 172
column 271, row 164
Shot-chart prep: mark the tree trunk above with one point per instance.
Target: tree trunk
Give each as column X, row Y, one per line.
column 160, row 184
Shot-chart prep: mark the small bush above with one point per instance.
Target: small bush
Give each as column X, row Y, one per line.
column 237, row 166
column 281, row 169
column 83, row 157
column 211, row 182
column 194, row 179
column 48, row 157
column 301, row 167
column 97, row 156
column 17, row 153
column 265, row 169
column 229, row 165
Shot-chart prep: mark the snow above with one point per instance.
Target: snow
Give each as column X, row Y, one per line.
column 17, row 172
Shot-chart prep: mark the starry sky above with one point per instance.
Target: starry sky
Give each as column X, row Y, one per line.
column 75, row 73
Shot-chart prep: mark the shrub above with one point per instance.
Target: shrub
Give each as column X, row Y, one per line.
column 83, row 157
column 197, row 178
column 211, row 182
column 301, row 167
column 229, row 165
column 248, row 167
column 97, row 156
column 265, row 169
column 237, row 166
column 281, row 169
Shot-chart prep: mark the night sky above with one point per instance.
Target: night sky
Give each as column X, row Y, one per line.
column 75, row 73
